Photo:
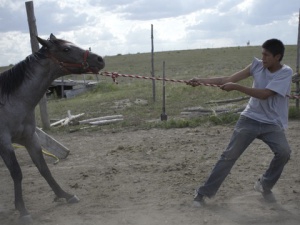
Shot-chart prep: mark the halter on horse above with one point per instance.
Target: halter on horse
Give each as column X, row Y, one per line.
column 21, row 88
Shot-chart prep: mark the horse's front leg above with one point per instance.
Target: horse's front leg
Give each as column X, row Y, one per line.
column 35, row 151
column 7, row 153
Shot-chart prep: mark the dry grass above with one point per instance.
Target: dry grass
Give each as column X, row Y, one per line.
column 179, row 65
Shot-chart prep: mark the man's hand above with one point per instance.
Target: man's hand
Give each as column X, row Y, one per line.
column 229, row 86
column 193, row 82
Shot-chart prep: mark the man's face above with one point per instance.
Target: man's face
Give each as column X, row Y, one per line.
column 268, row 59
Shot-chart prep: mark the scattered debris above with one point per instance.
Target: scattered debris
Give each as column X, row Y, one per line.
column 70, row 88
column 139, row 101
column 67, row 120
column 199, row 111
column 124, row 103
column 103, row 120
column 92, row 121
column 52, row 145
column 228, row 100
column 229, row 107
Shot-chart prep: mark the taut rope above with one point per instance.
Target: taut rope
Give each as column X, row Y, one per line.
column 115, row 75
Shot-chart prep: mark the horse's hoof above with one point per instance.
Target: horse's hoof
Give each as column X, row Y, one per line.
column 25, row 220
column 73, row 200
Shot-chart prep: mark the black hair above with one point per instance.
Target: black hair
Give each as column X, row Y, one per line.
column 274, row 46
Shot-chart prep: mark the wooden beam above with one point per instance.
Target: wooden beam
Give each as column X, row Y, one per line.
column 101, row 118
column 67, row 120
column 103, row 122
column 51, row 145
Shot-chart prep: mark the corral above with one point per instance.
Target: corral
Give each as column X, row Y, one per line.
column 148, row 177
column 126, row 174
column 134, row 173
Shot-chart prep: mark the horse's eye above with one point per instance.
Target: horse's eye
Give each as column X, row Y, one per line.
column 66, row 50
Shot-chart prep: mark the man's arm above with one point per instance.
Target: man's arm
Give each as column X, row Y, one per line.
column 229, row 84
column 253, row 92
column 243, row 74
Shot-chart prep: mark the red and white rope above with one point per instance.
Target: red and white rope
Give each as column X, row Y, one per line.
column 115, row 75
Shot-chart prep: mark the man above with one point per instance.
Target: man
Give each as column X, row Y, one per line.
column 264, row 118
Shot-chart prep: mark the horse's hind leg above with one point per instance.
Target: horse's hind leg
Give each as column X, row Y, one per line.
column 8, row 155
column 35, row 151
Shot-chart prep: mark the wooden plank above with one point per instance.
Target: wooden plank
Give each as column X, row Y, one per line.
column 66, row 120
column 229, row 100
column 51, row 145
column 103, row 122
column 77, row 91
column 197, row 109
column 101, row 118
column 63, row 83
column 72, row 82
column 210, row 111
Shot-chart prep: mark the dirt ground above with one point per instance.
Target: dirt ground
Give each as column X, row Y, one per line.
column 148, row 177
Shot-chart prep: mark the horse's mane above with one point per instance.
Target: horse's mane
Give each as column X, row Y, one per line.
column 11, row 79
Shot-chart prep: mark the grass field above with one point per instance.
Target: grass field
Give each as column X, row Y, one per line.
column 109, row 98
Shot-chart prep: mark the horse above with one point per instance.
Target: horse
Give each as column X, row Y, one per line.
column 21, row 89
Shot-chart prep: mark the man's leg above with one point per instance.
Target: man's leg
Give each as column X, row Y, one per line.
column 277, row 141
column 244, row 133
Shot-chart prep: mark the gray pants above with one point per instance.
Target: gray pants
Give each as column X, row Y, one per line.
column 246, row 130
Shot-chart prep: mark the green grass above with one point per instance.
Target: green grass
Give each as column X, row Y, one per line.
column 294, row 113
column 184, row 65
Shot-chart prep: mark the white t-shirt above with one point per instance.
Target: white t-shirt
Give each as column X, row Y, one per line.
column 273, row 110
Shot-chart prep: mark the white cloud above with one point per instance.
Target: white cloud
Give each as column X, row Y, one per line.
column 245, row 6
column 11, row 51
column 123, row 26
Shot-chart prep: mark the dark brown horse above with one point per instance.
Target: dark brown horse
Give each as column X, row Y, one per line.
column 21, row 88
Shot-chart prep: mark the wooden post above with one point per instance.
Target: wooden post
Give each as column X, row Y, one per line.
column 62, row 87
column 297, row 64
column 152, row 64
column 35, row 48
column 163, row 116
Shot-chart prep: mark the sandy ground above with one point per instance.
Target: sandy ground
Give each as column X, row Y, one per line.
column 148, row 177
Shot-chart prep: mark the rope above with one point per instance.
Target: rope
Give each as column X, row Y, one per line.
column 293, row 96
column 44, row 151
column 115, row 75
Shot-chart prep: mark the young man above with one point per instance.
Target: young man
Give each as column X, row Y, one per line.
column 264, row 118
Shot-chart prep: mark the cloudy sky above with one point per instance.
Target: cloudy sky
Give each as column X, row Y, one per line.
column 113, row 27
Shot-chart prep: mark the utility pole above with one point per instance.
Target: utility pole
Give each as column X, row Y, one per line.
column 35, row 48
column 297, row 64
column 152, row 64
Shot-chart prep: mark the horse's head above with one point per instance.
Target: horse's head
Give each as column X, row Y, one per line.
column 70, row 57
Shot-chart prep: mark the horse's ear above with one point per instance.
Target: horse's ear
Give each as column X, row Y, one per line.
column 43, row 42
column 52, row 37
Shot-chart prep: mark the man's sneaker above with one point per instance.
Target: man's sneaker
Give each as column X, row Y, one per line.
column 198, row 200
column 267, row 194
